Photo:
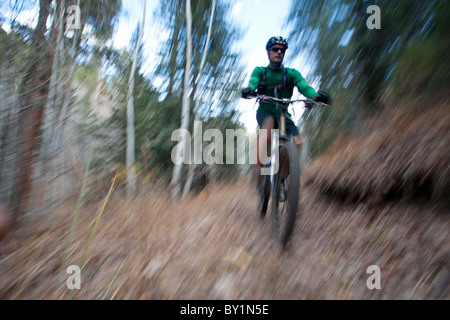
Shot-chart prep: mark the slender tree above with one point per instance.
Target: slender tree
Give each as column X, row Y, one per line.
column 185, row 111
column 193, row 165
column 131, row 135
column 37, row 82
column 34, row 93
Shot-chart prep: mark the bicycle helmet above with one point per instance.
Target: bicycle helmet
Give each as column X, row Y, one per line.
column 276, row 40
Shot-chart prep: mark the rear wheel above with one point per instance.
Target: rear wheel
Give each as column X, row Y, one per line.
column 284, row 210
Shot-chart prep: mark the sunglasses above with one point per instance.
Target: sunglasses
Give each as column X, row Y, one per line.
column 276, row 49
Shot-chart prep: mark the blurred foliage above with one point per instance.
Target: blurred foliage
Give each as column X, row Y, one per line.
column 357, row 65
column 101, row 15
column 222, row 72
column 158, row 109
column 26, row 55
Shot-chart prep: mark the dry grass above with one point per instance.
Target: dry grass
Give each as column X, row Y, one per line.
column 404, row 154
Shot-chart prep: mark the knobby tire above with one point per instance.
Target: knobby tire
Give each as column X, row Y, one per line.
column 284, row 213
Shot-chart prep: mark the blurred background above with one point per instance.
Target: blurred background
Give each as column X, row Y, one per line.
column 86, row 122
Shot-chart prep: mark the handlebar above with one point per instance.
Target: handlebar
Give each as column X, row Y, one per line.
column 309, row 103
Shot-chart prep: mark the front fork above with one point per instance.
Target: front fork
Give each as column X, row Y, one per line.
column 275, row 153
column 274, row 157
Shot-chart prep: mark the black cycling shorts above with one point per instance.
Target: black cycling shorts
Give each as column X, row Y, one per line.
column 291, row 128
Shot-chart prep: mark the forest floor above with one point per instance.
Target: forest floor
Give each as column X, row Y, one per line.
column 371, row 200
column 215, row 246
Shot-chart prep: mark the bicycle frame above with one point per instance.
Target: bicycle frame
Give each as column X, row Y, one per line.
column 283, row 104
column 279, row 137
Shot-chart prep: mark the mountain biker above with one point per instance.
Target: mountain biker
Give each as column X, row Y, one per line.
column 277, row 81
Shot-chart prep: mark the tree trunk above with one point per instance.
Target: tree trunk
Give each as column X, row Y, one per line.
column 8, row 174
column 8, row 135
column 131, row 156
column 48, row 151
column 4, row 106
column 185, row 111
column 193, row 166
column 174, row 52
column 66, row 86
column 36, row 86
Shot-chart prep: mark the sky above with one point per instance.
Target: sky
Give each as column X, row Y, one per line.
column 260, row 20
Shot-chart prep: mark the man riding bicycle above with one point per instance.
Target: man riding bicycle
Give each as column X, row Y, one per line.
column 277, row 81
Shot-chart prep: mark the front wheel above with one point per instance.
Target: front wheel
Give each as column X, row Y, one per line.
column 286, row 193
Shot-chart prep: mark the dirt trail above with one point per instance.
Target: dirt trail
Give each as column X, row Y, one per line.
column 214, row 246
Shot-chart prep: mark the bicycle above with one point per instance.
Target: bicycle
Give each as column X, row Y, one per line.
column 284, row 161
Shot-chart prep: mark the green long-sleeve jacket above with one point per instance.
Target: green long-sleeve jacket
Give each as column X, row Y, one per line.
column 273, row 79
